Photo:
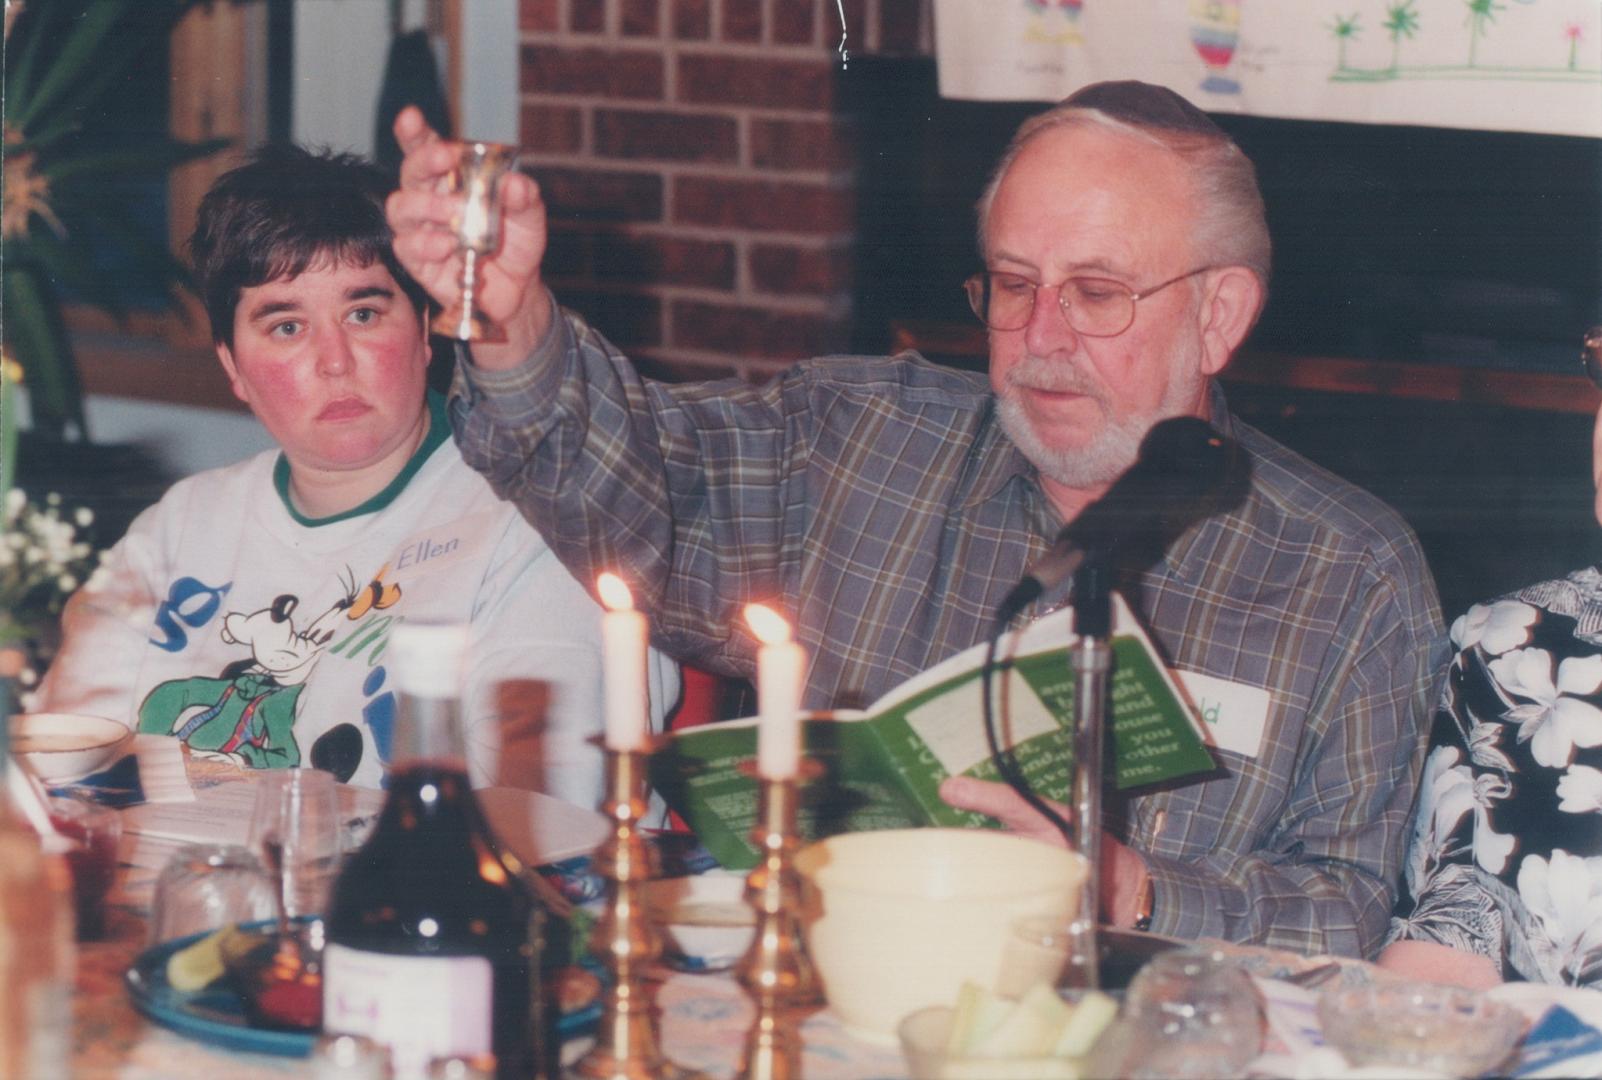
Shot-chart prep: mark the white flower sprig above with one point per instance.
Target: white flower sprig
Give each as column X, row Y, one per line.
column 43, row 560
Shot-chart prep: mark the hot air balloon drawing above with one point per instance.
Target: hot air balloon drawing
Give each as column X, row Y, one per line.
column 1070, row 8
column 1215, row 31
column 1047, row 29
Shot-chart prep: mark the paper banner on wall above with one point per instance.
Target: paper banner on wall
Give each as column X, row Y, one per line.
column 1504, row 65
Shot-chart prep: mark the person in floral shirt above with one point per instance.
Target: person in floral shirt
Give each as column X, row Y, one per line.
column 1503, row 879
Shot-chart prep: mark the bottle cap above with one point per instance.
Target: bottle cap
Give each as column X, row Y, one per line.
column 426, row 658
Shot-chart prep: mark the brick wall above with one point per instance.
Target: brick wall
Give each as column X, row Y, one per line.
column 700, row 168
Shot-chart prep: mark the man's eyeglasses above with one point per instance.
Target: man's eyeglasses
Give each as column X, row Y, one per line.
column 1094, row 307
column 1591, row 356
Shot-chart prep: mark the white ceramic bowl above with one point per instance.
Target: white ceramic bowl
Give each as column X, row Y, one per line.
column 57, row 747
column 706, row 923
column 897, row 920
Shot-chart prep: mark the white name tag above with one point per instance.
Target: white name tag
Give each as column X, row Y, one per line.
column 1233, row 714
column 442, row 547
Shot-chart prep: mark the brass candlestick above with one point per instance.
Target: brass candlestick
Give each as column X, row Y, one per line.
column 627, row 1046
column 776, row 971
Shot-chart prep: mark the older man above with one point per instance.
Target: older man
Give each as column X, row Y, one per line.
column 891, row 504
column 247, row 613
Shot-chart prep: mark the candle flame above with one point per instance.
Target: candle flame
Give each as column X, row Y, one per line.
column 768, row 625
column 614, row 593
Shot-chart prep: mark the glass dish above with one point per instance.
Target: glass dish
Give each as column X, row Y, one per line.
column 1443, row 1029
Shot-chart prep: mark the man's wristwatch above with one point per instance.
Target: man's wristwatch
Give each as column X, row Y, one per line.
column 1145, row 898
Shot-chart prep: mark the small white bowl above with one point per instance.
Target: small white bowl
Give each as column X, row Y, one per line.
column 705, row 921
column 899, row 919
column 57, row 747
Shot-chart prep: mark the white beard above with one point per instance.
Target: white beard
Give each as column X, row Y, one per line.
column 1111, row 450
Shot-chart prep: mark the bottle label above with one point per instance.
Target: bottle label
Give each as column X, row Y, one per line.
column 421, row 1007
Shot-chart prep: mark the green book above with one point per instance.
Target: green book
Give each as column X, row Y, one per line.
column 882, row 767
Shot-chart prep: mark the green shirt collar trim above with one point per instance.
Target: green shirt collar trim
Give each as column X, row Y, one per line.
column 439, row 432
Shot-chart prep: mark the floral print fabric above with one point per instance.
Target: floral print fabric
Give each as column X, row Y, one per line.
column 1506, row 854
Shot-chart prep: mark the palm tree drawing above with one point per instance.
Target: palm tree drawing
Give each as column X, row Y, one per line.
column 1400, row 21
column 1344, row 30
column 1481, row 14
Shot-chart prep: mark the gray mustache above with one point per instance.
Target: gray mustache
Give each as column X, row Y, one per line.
column 1054, row 376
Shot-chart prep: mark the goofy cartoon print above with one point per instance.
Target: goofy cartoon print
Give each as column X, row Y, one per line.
column 247, row 714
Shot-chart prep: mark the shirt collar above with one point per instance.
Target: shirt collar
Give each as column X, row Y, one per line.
column 994, row 462
column 439, row 433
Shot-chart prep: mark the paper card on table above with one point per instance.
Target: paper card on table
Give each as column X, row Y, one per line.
column 152, row 772
column 1294, row 1031
column 885, row 765
column 536, row 828
column 217, row 815
column 220, row 813
column 539, row 829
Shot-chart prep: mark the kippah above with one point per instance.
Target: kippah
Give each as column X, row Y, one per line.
column 1144, row 105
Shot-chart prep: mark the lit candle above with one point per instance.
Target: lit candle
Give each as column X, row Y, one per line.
column 780, row 664
column 623, row 641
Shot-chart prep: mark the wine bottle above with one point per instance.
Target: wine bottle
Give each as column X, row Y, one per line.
column 433, row 934
column 36, row 958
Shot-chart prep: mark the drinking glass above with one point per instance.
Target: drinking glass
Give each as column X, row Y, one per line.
column 477, row 175
column 1191, row 1014
column 205, row 887
column 295, row 830
column 92, row 833
column 1036, row 952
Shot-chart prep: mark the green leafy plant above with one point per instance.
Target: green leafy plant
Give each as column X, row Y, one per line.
column 63, row 190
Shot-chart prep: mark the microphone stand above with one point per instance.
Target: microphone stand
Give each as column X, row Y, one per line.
column 1090, row 658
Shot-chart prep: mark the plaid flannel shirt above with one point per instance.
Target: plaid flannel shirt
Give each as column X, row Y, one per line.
column 879, row 503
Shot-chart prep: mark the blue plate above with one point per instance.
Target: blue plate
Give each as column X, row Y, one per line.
column 216, row 1015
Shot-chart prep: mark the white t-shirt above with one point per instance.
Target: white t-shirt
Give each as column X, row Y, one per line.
column 227, row 619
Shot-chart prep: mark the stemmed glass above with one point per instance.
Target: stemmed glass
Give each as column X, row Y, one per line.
column 477, row 175
column 295, row 828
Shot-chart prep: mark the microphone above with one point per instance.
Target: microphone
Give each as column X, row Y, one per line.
column 1182, row 474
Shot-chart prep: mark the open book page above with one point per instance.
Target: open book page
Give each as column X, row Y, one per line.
column 883, row 767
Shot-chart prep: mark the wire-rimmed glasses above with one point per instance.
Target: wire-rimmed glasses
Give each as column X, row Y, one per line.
column 1092, row 306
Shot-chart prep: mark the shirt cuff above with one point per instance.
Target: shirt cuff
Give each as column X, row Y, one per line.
column 1188, row 904
column 536, row 379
